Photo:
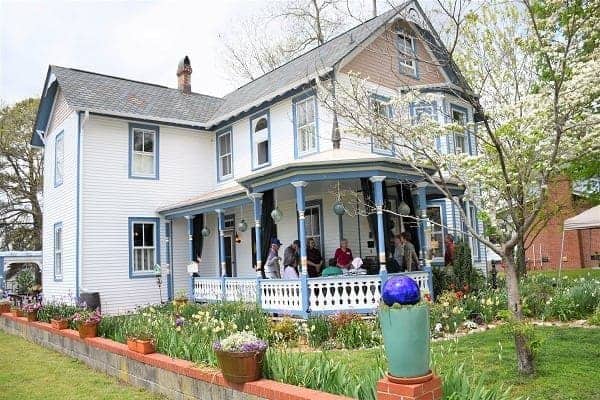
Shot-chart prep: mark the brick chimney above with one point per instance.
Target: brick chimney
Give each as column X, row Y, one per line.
column 184, row 75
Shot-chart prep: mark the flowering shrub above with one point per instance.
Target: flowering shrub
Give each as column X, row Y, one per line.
column 240, row 342
column 285, row 330
column 87, row 317
column 32, row 307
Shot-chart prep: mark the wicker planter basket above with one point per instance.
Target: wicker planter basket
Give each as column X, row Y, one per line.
column 240, row 367
column 59, row 323
column 88, row 330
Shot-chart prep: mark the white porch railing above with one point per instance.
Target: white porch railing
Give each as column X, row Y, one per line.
column 302, row 297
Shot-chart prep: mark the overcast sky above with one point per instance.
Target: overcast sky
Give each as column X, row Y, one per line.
column 141, row 40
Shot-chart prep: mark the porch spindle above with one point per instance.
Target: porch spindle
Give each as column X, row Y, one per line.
column 257, row 204
column 300, row 185
column 222, row 262
column 378, row 197
column 190, row 225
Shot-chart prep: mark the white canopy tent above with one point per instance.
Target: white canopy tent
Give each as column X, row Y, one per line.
column 588, row 219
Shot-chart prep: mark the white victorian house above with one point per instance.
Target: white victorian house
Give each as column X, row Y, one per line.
column 139, row 174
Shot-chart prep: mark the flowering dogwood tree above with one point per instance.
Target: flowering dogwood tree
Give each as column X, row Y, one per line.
column 532, row 77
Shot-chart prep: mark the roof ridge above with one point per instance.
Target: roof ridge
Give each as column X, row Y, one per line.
column 131, row 80
column 394, row 9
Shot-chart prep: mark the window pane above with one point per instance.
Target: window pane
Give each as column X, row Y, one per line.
column 138, row 140
column 143, row 163
column 262, row 151
column 148, row 234
column 459, row 143
column 301, row 109
column 260, row 125
column 224, row 144
column 310, row 111
column 226, row 165
column 149, row 259
column 138, row 235
column 149, row 142
column 458, row 117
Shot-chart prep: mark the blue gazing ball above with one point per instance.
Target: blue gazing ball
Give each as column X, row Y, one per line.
column 402, row 290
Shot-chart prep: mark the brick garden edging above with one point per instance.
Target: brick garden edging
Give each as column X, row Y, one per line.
column 175, row 378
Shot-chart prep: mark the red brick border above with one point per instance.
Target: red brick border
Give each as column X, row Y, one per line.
column 430, row 390
column 263, row 388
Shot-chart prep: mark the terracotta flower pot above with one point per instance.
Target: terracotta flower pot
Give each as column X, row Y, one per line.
column 240, row 367
column 32, row 316
column 59, row 323
column 145, row 346
column 4, row 308
column 131, row 344
column 20, row 313
column 88, row 331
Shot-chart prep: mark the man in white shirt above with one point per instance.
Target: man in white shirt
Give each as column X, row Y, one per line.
column 273, row 260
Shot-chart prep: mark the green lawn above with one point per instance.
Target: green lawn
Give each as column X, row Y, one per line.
column 567, row 364
column 31, row 372
column 571, row 273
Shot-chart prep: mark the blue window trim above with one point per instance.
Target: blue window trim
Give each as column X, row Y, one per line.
column 156, row 129
column 60, row 137
column 169, row 257
column 467, row 132
column 58, row 225
column 374, row 150
column 218, row 134
column 303, row 96
column 145, row 220
column 401, row 67
column 252, row 118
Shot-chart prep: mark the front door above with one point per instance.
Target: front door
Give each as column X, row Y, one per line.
column 229, row 249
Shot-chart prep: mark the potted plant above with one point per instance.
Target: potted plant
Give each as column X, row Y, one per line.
column 31, row 310
column 404, row 324
column 4, row 306
column 141, row 340
column 181, row 298
column 16, row 311
column 87, row 323
column 60, row 318
column 240, row 357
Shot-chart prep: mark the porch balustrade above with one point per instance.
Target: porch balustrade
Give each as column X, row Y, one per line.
column 358, row 294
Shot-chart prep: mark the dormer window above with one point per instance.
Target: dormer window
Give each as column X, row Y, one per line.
column 407, row 54
column 261, row 136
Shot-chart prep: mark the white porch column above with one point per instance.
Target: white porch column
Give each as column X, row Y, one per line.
column 257, row 204
column 378, row 197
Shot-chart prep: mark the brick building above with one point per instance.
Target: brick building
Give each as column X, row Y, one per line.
column 580, row 246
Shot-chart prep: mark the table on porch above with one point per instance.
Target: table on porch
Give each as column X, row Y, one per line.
column 304, row 296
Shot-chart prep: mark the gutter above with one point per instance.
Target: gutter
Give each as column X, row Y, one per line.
column 82, row 118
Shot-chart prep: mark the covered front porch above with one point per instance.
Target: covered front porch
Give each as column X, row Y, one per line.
column 229, row 233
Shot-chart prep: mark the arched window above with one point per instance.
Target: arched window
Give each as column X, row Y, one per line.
column 260, row 141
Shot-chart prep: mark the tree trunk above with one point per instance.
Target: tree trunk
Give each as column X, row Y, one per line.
column 521, row 266
column 522, row 345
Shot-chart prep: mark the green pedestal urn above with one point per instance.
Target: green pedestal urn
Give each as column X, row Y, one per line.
column 405, row 327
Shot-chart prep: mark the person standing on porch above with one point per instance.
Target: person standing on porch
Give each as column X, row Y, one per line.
column 314, row 260
column 449, row 255
column 343, row 255
column 398, row 257
column 411, row 260
column 273, row 259
column 290, row 261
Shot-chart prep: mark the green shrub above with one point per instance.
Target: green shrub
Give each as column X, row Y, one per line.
column 595, row 317
column 56, row 311
column 319, row 331
column 441, row 280
column 357, row 334
column 464, row 276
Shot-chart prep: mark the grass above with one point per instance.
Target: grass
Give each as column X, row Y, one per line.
column 31, row 372
column 567, row 362
column 571, row 273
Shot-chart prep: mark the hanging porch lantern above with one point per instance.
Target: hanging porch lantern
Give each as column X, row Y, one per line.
column 403, row 208
column 276, row 214
column 338, row 208
column 205, row 232
column 243, row 226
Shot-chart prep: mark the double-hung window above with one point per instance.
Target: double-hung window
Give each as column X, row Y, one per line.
column 434, row 214
column 306, row 125
column 143, row 245
column 225, row 155
column 58, row 251
column 312, row 222
column 460, row 139
column 406, row 53
column 260, row 140
column 380, row 140
column 59, row 159
column 144, row 151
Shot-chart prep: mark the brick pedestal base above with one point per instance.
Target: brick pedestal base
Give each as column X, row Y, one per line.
column 430, row 390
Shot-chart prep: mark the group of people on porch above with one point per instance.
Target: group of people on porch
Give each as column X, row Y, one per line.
column 404, row 258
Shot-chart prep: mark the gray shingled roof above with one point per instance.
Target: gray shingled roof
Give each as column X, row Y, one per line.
column 306, row 65
column 112, row 95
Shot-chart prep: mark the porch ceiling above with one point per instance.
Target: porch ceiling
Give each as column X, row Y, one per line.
column 229, row 197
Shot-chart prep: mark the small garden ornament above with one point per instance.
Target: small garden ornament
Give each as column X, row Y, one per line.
column 404, row 324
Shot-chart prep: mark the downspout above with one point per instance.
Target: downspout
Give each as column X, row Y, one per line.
column 335, row 131
column 82, row 119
